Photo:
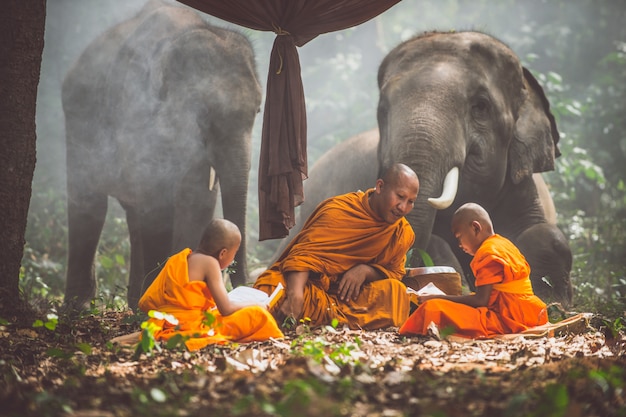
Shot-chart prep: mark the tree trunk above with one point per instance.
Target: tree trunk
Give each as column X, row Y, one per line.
column 22, row 24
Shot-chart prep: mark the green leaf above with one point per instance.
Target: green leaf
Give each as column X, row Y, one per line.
column 175, row 341
column 84, row 347
column 120, row 260
column 106, row 262
column 428, row 261
column 59, row 353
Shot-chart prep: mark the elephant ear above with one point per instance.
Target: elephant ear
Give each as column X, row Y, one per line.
column 536, row 136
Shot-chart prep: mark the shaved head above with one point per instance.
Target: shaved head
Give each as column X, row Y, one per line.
column 219, row 234
column 399, row 173
column 470, row 212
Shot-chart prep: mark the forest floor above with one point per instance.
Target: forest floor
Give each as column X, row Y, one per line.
column 70, row 368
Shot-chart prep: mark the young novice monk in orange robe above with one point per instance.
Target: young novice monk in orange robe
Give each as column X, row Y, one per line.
column 190, row 284
column 504, row 301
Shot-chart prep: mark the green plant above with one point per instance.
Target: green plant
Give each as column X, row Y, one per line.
column 552, row 401
column 51, row 322
column 319, row 349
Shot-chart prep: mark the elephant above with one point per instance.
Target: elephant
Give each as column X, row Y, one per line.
column 461, row 111
column 159, row 112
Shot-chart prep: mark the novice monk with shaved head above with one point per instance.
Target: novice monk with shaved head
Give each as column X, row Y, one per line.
column 347, row 261
column 504, row 301
column 191, row 284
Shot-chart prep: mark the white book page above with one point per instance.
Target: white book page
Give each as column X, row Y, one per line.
column 249, row 295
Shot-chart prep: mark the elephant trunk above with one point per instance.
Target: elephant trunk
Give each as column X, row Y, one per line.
column 234, row 205
column 438, row 170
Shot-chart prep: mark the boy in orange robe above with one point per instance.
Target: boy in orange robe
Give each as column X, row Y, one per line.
column 504, row 301
column 348, row 259
column 191, row 284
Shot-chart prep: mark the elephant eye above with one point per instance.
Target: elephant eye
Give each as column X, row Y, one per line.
column 480, row 108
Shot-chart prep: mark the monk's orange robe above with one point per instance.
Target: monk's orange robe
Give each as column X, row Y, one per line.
column 512, row 305
column 343, row 232
column 173, row 293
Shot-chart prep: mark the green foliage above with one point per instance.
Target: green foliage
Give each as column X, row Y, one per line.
column 320, row 349
column 552, row 402
column 422, row 258
column 298, row 397
column 51, row 322
column 589, row 205
column 610, row 382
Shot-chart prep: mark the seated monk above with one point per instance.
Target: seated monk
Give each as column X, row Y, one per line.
column 191, row 284
column 504, row 301
column 347, row 261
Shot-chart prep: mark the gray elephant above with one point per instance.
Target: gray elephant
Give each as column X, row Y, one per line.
column 460, row 110
column 159, row 112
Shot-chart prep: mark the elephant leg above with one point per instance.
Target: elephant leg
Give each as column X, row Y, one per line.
column 155, row 237
column 546, row 249
column 86, row 216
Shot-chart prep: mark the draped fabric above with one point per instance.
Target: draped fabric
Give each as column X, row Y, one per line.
column 172, row 293
column 341, row 233
column 283, row 159
column 512, row 306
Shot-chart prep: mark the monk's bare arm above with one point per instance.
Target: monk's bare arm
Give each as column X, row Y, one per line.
column 479, row 299
column 295, row 282
column 354, row 278
column 209, row 268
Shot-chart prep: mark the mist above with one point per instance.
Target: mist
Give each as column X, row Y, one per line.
column 339, row 70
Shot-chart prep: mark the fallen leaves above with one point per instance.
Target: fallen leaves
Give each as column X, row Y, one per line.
column 335, row 371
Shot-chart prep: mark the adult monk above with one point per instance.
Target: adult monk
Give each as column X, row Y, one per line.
column 347, row 261
column 504, row 301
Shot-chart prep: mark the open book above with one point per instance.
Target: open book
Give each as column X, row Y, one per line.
column 428, row 289
column 249, row 295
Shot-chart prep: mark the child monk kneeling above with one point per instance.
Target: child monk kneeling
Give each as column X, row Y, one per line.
column 191, row 284
column 504, row 301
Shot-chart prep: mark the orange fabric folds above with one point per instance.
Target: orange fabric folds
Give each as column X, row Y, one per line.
column 512, row 306
column 172, row 293
column 341, row 233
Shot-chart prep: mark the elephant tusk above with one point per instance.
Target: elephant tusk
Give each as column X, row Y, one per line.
column 450, row 187
column 211, row 179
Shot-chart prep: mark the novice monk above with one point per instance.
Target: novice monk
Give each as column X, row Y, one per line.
column 504, row 301
column 191, row 284
column 348, row 259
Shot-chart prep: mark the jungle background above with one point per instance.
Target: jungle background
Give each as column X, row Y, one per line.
column 576, row 49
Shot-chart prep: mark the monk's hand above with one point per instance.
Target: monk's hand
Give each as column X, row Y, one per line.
column 422, row 298
column 292, row 306
column 351, row 283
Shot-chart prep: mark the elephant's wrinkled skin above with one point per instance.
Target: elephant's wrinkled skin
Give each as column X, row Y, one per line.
column 462, row 100
column 157, row 109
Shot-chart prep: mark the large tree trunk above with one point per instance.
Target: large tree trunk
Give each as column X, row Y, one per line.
column 22, row 24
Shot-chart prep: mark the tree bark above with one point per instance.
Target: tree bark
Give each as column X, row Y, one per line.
column 22, row 24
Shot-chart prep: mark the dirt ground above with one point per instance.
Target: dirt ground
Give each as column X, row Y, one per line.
column 73, row 370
